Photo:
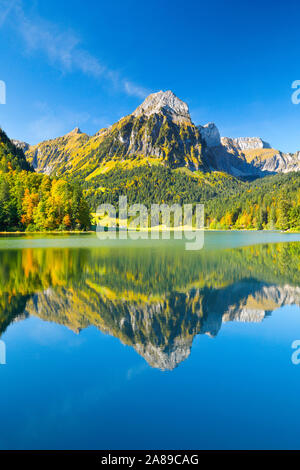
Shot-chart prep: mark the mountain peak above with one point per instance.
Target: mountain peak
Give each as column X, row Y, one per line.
column 75, row 131
column 165, row 102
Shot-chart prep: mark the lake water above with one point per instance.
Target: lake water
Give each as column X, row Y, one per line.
column 128, row 345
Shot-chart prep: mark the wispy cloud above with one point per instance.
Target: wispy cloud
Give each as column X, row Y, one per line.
column 5, row 9
column 62, row 47
column 134, row 90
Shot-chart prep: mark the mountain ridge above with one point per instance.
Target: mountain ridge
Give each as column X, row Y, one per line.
column 159, row 131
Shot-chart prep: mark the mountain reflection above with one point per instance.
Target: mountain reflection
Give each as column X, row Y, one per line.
column 156, row 299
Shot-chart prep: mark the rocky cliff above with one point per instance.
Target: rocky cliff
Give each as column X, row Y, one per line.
column 210, row 134
column 245, row 143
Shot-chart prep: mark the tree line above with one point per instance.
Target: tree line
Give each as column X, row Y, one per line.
column 269, row 203
column 272, row 202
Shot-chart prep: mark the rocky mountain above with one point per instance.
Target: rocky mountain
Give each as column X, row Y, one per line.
column 159, row 131
column 259, row 156
column 246, row 157
column 56, row 156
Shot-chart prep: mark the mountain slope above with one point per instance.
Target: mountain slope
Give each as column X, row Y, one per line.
column 11, row 157
column 54, row 156
column 158, row 184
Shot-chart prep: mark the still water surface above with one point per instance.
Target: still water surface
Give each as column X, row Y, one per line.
column 127, row 345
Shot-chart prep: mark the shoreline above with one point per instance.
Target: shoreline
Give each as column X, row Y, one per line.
column 54, row 232
column 158, row 229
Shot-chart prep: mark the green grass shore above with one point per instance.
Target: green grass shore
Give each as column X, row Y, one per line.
column 160, row 229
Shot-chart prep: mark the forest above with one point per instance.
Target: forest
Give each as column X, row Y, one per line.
column 34, row 202
column 272, row 202
column 157, row 184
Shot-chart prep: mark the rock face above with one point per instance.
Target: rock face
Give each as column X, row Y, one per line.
column 166, row 103
column 245, row 143
column 168, row 358
column 257, row 156
column 275, row 161
column 51, row 156
column 210, row 134
column 21, row 145
column 75, row 131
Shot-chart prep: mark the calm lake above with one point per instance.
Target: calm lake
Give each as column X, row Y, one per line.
column 128, row 345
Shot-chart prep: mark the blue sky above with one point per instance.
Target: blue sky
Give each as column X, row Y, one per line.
column 88, row 63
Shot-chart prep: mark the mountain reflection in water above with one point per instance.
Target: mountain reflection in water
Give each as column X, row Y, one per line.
column 156, row 299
